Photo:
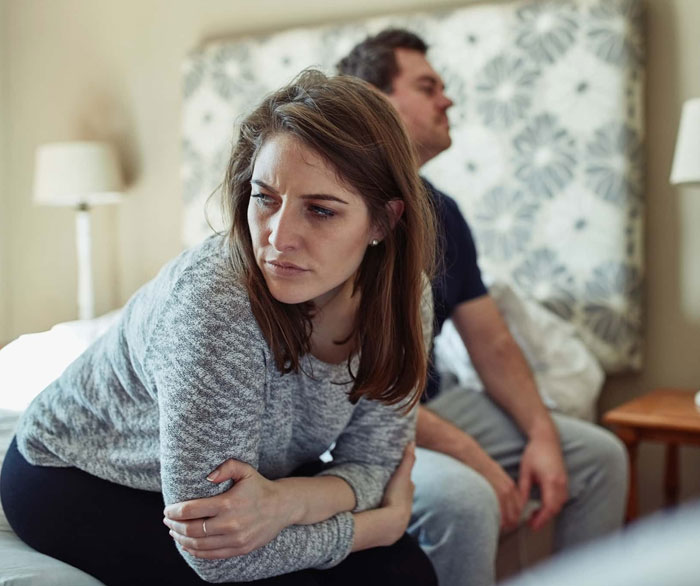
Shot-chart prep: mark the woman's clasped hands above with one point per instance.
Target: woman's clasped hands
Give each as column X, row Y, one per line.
column 255, row 510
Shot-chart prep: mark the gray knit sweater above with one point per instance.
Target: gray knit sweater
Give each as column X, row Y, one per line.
column 184, row 381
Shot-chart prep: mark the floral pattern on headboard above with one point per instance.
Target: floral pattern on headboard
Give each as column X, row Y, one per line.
column 546, row 162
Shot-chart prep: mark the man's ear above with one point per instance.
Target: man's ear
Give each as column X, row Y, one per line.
column 395, row 208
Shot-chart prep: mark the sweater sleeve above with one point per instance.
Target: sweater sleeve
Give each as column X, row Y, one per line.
column 207, row 362
column 370, row 448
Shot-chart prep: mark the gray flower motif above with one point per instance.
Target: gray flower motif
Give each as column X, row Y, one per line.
column 505, row 221
column 543, row 276
column 504, row 88
column 614, row 34
column 613, row 297
column 192, row 74
column 232, row 69
column 547, row 30
column 329, row 53
column 192, row 172
column 545, row 156
column 614, row 164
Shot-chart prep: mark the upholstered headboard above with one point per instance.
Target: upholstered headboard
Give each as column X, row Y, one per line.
column 547, row 130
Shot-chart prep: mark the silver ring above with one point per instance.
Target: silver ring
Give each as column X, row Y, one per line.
column 204, row 526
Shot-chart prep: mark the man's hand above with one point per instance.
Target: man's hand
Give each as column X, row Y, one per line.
column 435, row 433
column 509, row 381
column 543, row 465
column 510, row 499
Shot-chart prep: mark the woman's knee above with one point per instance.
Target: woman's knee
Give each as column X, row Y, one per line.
column 401, row 563
column 408, row 565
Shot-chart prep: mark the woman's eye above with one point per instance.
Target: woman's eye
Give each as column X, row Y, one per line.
column 321, row 212
column 261, row 199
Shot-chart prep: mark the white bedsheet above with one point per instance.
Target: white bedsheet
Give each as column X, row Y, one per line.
column 27, row 366
column 29, row 363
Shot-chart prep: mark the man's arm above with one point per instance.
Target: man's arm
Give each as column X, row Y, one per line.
column 508, row 379
column 437, row 434
column 501, row 365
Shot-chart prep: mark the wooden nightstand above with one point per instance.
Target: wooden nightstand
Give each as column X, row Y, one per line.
column 663, row 415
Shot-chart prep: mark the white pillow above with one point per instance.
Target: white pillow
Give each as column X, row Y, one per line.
column 568, row 375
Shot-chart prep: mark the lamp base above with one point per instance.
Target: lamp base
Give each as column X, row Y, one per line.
column 86, row 303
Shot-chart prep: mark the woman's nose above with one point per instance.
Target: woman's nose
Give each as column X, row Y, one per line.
column 285, row 233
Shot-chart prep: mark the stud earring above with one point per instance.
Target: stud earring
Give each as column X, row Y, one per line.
column 374, row 242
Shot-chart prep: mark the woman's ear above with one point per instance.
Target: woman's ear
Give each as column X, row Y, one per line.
column 395, row 209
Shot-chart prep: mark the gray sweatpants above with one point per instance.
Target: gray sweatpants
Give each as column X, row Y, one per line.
column 456, row 515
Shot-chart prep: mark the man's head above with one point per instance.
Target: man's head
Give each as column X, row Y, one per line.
column 394, row 61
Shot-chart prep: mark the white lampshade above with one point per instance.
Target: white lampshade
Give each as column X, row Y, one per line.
column 686, row 160
column 75, row 173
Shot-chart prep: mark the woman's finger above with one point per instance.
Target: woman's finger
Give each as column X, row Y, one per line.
column 230, row 470
column 195, row 528
column 407, row 461
column 201, row 543
column 194, row 509
column 218, row 554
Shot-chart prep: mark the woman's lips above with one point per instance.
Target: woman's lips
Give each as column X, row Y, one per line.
column 284, row 269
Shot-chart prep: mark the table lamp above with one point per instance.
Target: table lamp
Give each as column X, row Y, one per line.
column 79, row 175
column 686, row 159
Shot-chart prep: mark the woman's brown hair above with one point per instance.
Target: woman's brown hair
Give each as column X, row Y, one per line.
column 355, row 129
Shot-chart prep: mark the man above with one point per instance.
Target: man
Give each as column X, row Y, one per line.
column 481, row 456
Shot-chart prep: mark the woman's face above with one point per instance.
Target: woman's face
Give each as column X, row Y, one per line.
column 309, row 231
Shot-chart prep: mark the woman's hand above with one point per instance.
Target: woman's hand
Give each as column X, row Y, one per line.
column 385, row 525
column 398, row 494
column 236, row 522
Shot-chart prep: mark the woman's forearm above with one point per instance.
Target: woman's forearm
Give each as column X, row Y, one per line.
column 305, row 501
column 385, row 525
column 312, row 500
column 377, row 528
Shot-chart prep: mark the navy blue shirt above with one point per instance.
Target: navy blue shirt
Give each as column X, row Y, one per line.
column 458, row 278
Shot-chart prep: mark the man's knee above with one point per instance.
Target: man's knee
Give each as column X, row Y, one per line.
column 614, row 460
column 456, row 498
column 610, row 455
column 596, row 459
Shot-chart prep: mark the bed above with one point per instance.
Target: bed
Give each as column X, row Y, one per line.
column 546, row 165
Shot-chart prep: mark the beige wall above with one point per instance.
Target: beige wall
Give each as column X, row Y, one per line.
column 99, row 69
column 672, row 238
column 4, row 236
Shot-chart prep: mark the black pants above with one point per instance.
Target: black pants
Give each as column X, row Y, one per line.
column 116, row 533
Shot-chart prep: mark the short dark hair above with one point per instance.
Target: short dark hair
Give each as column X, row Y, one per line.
column 374, row 59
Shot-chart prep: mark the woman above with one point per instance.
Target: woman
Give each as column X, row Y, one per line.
column 299, row 329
